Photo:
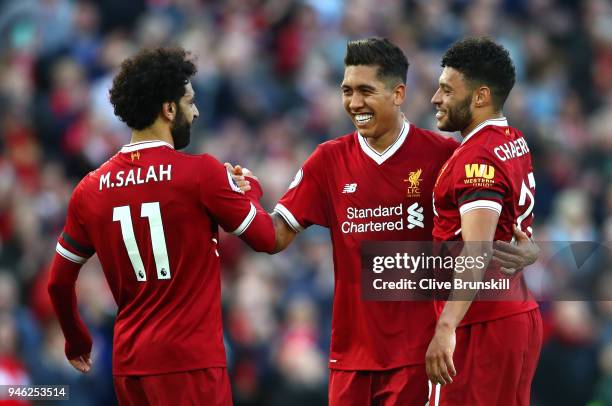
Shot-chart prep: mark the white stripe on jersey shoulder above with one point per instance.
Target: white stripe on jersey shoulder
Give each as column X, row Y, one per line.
column 481, row 204
column 288, row 217
column 499, row 122
column 246, row 222
column 143, row 145
column 379, row 158
column 69, row 255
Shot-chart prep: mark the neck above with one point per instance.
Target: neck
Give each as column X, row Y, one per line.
column 155, row 132
column 478, row 119
column 380, row 144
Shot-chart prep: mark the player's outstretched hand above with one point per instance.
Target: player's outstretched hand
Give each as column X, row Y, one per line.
column 240, row 175
column 439, row 358
column 82, row 363
column 515, row 256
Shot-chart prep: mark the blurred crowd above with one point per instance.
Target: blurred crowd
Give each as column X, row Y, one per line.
column 267, row 90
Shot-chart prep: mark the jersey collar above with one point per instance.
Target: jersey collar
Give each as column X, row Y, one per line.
column 379, row 158
column 499, row 122
column 143, row 145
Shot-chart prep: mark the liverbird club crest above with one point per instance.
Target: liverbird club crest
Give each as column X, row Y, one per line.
column 414, row 180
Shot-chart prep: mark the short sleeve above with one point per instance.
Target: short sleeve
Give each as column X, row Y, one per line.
column 479, row 180
column 223, row 199
column 74, row 243
column 305, row 201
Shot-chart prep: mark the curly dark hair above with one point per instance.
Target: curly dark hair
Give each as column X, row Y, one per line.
column 391, row 61
column 146, row 81
column 483, row 61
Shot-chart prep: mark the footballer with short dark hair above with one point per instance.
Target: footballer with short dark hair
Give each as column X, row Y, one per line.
column 377, row 353
column 484, row 190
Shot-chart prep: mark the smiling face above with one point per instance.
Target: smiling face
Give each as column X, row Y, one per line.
column 453, row 101
column 372, row 104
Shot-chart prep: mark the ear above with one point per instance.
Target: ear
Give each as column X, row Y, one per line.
column 482, row 96
column 169, row 110
column 399, row 94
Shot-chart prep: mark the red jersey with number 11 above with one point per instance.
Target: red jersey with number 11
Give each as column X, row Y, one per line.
column 151, row 214
column 491, row 169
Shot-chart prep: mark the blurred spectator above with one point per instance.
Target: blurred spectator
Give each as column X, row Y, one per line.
column 301, row 364
column 12, row 371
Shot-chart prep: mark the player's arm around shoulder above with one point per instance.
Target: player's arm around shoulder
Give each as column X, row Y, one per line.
column 513, row 257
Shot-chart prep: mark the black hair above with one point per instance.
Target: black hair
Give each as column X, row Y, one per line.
column 148, row 80
column 483, row 61
column 390, row 60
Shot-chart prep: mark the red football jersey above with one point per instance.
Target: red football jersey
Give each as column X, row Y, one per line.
column 361, row 195
column 151, row 214
column 490, row 169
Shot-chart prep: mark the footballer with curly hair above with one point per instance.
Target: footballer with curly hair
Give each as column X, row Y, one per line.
column 483, row 352
column 151, row 214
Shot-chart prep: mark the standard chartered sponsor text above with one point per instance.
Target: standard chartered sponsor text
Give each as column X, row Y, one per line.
column 377, row 216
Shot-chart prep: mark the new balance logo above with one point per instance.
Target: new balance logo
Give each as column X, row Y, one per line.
column 415, row 216
column 349, row 188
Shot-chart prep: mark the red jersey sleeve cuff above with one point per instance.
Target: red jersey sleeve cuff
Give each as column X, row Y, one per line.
column 74, row 348
column 69, row 255
column 246, row 222
column 288, row 217
column 72, row 250
column 480, row 204
column 256, row 191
